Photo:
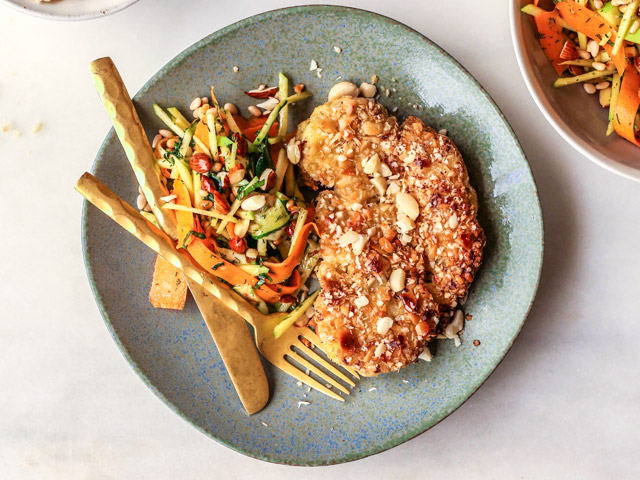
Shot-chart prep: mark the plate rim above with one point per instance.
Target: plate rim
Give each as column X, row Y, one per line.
column 68, row 17
column 544, row 105
column 179, row 58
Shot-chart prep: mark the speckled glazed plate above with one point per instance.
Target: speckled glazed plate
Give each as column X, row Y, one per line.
column 173, row 352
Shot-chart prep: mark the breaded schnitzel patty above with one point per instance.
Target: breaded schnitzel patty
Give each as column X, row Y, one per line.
column 400, row 241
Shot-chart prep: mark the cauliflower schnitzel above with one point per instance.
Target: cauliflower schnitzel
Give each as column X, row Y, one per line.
column 400, row 243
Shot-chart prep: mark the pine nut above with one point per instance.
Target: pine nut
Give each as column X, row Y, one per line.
column 622, row 8
column 405, row 224
column 205, row 100
column 372, row 164
column 602, row 85
column 599, row 66
column 590, row 88
column 383, row 325
column 195, row 103
column 634, row 27
column 584, row 54
column 213, row 111
column 368, row 90
column 593, row 48
column 598, row 4
column 255, row 111
column 165, row 133
column 293, row 151
column 231, row 108
column 361, row 302
column 380, row 185
column 251, row 254
column 171, row 143
column 141, row 202
column 253, row 203
column 343, row 89
column 407, row 205
column 397, row 280
column 241, row 227
column 156, row 139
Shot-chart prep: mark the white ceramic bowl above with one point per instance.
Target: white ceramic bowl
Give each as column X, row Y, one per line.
column 576, row 116
column 69, row 9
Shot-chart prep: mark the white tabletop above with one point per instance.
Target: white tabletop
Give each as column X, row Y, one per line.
column 563, row 404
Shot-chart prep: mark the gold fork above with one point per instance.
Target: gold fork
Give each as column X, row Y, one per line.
column 283, row 352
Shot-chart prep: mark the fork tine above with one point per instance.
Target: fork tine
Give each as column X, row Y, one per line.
column 313, row 338
column 322, row 362
column 304, row 378
column 317, row 371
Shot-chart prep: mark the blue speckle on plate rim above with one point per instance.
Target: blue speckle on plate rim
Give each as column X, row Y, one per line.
column 172, row 351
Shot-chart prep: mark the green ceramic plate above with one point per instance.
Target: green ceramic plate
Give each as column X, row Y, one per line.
column 173, row 353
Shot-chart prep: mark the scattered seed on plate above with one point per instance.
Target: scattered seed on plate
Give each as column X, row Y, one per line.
column 235, row 69
column 313, row 65
column 337, row 49
column 476, row 343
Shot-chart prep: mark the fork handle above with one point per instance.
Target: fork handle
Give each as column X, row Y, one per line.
column 127, row 217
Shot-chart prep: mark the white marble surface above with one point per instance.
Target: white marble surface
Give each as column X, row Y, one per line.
column 563, row 404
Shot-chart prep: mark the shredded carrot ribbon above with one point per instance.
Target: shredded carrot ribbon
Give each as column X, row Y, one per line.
column 585, row 21
column 279, row 272
column 551, row 39
column 219, row 267
column 186, row 222
column 627, row 106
